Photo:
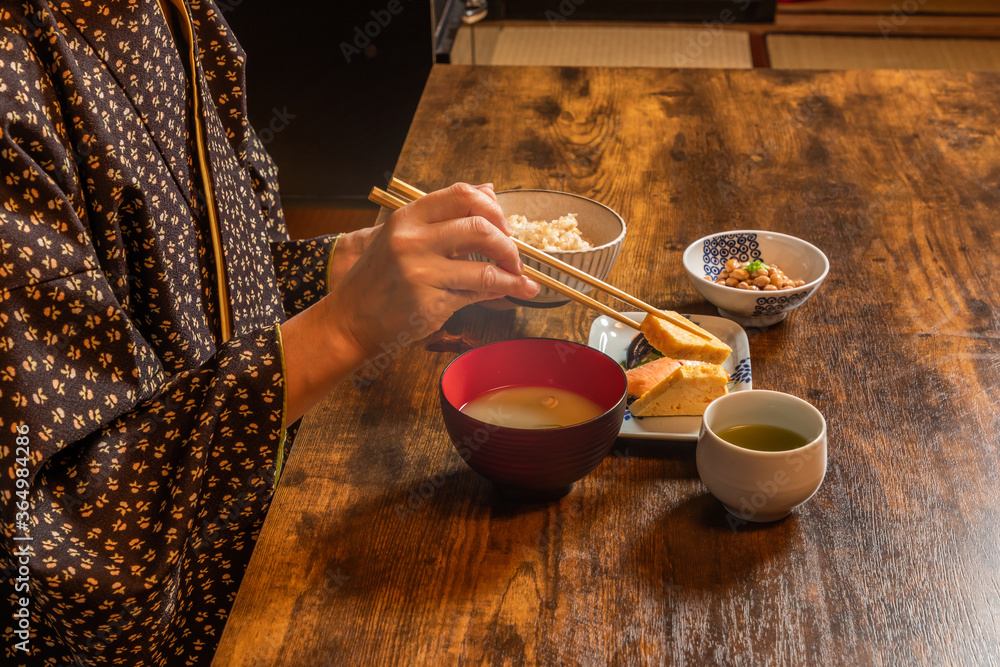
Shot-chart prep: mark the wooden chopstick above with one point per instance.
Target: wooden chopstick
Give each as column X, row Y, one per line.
column 566, row 290
column 597, row 283
column 405, row 189
column 409, row 192
column 387, row 199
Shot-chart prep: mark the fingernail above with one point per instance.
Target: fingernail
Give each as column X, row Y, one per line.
column 533, row 286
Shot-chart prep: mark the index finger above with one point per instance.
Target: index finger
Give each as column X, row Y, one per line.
column 461, row 200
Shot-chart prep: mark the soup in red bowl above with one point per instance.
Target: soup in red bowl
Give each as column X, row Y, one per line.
column 533, row 415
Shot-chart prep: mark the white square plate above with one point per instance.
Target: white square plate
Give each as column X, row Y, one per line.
column 613, row 338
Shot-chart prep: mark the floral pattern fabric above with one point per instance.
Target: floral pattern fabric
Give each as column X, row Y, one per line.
column 155, row 445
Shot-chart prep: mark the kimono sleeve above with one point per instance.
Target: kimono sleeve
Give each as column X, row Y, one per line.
column 303, row 270
column 146, row 490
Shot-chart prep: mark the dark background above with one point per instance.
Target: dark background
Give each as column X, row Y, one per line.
column 336, row 127
column 350, row 118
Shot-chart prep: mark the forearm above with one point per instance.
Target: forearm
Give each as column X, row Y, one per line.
column 318, row 356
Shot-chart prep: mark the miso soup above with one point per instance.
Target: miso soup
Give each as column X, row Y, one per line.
column 532, row 407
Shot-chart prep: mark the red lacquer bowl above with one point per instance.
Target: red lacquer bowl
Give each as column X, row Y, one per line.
column 533, row 464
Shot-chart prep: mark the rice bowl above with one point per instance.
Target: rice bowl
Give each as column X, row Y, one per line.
column 550, row 236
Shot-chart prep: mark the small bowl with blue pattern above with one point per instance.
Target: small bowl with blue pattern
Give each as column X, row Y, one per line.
column 798, row 259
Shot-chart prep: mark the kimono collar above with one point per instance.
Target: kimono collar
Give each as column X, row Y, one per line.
column 164, row 109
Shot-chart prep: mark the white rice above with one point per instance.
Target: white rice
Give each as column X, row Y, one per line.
column 555, row 235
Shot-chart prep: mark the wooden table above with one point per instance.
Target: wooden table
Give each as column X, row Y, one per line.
column 383, row 548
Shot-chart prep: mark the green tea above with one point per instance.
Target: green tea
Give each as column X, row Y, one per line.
column 763, row 438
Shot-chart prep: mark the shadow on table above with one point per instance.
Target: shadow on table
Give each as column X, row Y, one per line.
column 704, row 547
column 675, row 450
column 672, row 460
column 451, row 534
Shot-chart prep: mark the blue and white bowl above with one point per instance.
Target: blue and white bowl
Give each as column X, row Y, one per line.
column 797, row 258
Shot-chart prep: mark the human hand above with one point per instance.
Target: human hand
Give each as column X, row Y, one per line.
column 350, row 247
column 413, row 275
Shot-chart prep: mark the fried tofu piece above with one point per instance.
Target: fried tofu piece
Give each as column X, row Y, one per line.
column 686, row 391
column 676, row 343
column 647, row 376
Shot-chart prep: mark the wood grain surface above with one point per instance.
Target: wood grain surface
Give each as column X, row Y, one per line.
column 383, row 548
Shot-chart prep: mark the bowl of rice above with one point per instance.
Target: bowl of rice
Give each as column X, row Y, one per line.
column 577, row 230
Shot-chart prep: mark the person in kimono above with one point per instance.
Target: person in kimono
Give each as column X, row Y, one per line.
column 160, row 333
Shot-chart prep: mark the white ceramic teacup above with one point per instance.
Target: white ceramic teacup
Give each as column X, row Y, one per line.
column 755, row 485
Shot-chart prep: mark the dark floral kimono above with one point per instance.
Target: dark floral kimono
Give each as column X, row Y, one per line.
column 144, row 270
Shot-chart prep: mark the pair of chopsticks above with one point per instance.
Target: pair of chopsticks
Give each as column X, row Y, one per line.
column 402, row 194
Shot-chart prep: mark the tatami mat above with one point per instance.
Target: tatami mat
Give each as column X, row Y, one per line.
column 602, row 46
column 985, row 7
column 826, row 52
